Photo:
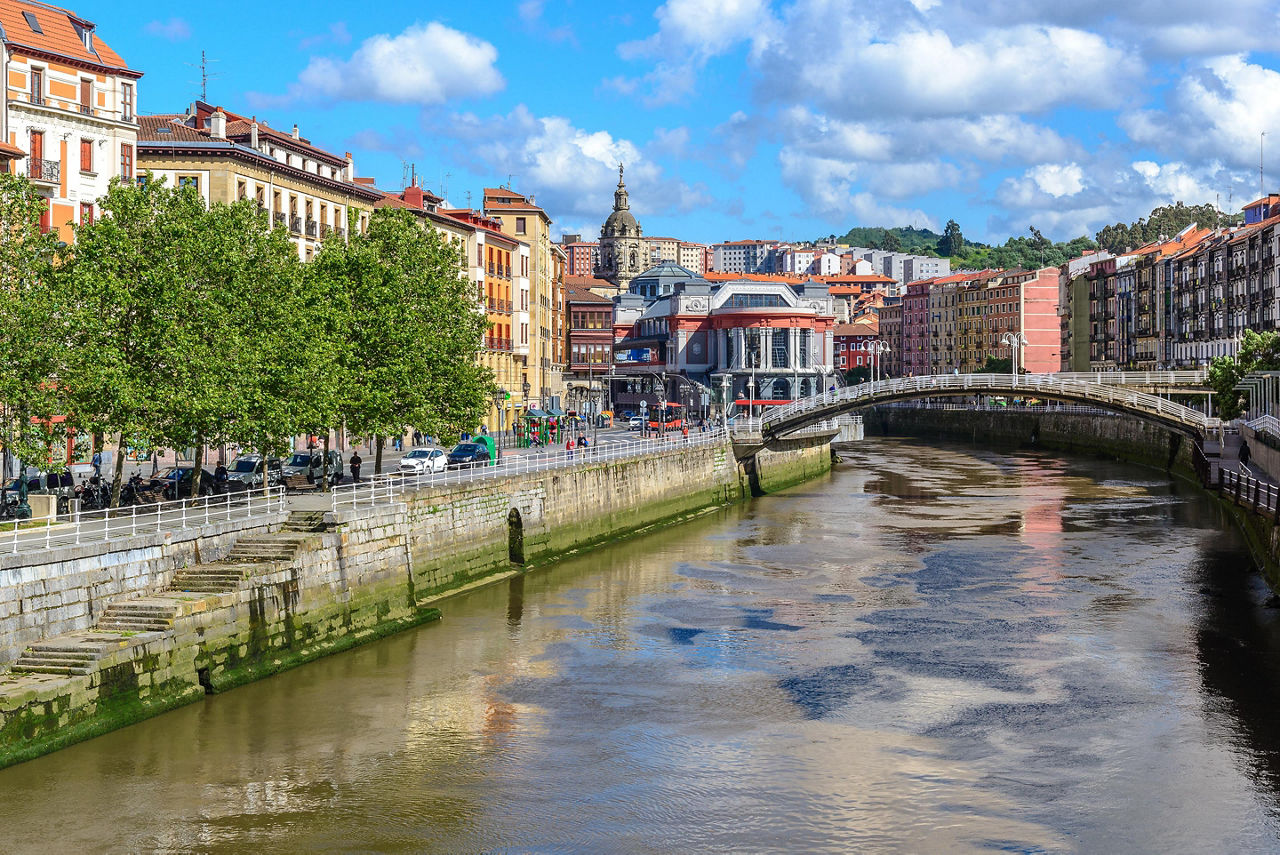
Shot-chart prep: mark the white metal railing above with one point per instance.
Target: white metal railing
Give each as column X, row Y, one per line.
column 1191, row 377
column 985, row 406
column 789, row 417
column 85, row 527
column 389, row 486
column 1265, row 424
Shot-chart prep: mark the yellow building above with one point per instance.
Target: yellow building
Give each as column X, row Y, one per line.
column 544, row 367
column 226, row 157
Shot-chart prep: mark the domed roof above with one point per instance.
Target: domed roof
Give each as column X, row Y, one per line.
column 621, row 221
column 661, row 279
column 618, row 219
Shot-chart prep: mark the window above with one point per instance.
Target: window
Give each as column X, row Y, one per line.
column 192, row 181
column 86, row 155
column 37, row 84
column 241, row 190
column 520, row 225
column 86, row 213
column 32, row 22
column 86, row 97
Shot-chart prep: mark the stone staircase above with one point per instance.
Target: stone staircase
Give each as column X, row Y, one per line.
column 146, row 614
column 60, row 656
column 77, row 654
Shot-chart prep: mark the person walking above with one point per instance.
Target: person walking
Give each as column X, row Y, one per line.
column 1244, row 454
column 97, row 463
column 355, row 466
column 568, row 448
column 582, row 440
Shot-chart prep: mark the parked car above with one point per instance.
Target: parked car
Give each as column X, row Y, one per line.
column 635, row 423
column 468, row 453
column 422, row 460
column 246, row 471
column 180, row 476
column 309, row 463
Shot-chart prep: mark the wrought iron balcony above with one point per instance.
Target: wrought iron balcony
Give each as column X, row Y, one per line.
column 295, row 224
column 44, row 171
column 312, row 228
column 279, row 219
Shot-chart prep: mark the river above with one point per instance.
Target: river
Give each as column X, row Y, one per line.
column 934, row 649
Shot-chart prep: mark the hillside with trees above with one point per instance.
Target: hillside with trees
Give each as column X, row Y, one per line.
column 1035, row 250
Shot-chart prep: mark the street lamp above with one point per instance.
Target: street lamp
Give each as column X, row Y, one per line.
column 500, row 397
column 1014, row 340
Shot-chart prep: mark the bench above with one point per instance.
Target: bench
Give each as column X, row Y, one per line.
column 299, row 483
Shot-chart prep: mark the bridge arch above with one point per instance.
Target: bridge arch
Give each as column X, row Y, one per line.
column 778, row 422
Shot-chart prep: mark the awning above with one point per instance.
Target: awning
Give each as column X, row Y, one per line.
column 533, row 413
column 556, row 413
column 11, row 151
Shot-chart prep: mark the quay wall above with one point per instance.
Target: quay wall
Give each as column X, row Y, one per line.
column 375, row 571
column 1116, row 436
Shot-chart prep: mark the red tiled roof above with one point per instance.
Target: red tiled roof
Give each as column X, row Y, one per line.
column 59, row 36
column 575, row 294
column 174, row 131
column 11, row 151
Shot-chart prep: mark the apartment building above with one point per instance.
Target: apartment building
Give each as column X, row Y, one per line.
column 520, row 217
column 227, row 157
column 69, row 117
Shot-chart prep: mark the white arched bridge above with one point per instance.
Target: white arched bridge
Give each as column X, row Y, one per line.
column 777, row 422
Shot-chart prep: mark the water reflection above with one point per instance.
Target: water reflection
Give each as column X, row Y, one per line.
column 935, row 649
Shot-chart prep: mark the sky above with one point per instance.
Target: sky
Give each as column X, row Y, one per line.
column 743, row 119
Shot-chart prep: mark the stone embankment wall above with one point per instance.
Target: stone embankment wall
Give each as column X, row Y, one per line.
column 71, row 589
column 1117, row 436
column 375, row 572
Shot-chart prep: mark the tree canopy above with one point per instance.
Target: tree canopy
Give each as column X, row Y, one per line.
column 1162, row 224
column 1258, row 352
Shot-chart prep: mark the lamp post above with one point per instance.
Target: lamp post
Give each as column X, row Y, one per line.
column 1014, row 340
column 500, row 396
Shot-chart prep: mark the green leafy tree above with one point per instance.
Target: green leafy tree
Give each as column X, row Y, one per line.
column 413, row 330
column 124, row 281
column 891, row 242
column 997, row 366
column 33, row 327
column 1258, row 352
column 952, row 241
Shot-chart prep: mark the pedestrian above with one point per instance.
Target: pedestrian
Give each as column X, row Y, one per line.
column 97, row 463
column 220, row 476
column 1244, row 454
column 397, row 444
column 684, row 431
column 568, row 448
column 582, row 440
column 355, row 465
column 417, row 438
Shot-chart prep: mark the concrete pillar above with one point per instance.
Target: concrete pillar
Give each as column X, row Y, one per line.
column 766, row 347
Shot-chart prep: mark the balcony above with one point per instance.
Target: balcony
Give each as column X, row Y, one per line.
column 44, row 171
column 313, row 229
column 37, row 99
column 86, row 110
column 295, row 224
column 278, row 218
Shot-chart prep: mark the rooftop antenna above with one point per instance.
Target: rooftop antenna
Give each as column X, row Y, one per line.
column 468, row 200
column 510, row 178
column 1262, row 176
column 444, row 187
column 205, row 75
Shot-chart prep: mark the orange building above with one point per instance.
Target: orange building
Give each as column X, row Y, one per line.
column 69, row 121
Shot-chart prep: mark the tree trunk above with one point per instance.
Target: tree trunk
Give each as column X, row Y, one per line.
column 266, row 472
column 377, row 459
column 324, row 466
column 117, row 470
column 195, row 473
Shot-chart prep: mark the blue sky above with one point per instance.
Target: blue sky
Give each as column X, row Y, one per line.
column 750, row 118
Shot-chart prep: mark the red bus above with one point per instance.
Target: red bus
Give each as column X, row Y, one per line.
column 672, row 418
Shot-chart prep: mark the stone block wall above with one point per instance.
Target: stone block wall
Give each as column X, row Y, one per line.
column 70, row 589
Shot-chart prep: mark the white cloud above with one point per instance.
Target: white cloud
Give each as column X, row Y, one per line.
column 425, row 64
column 1058, row 179
column 1217, row 110
column 690, row 32
column 1175, row 182
column 924, row 72
column 174, row 29
column 573, row 171
column 829, row 188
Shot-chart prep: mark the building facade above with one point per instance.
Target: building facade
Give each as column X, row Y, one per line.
column 543, row 369
column 312, row 193
column 69, row 117
column 624, row 252
column 590, row 349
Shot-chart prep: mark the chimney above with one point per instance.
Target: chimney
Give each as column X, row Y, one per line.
column 413, row 195
column 351, row 168
column 295, row 133
column 218, row 124
column 253, row 134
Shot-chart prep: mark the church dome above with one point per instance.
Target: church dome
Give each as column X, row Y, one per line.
column 621, row 223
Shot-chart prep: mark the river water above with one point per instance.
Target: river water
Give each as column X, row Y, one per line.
column 935, row 649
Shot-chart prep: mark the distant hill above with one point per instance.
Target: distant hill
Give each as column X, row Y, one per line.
column 911, row 239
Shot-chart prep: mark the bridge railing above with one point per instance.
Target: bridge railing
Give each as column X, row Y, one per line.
column 780, row 419
column 1190, row 377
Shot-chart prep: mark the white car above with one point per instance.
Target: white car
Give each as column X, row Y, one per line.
column 422, row 460
column 636, row 423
